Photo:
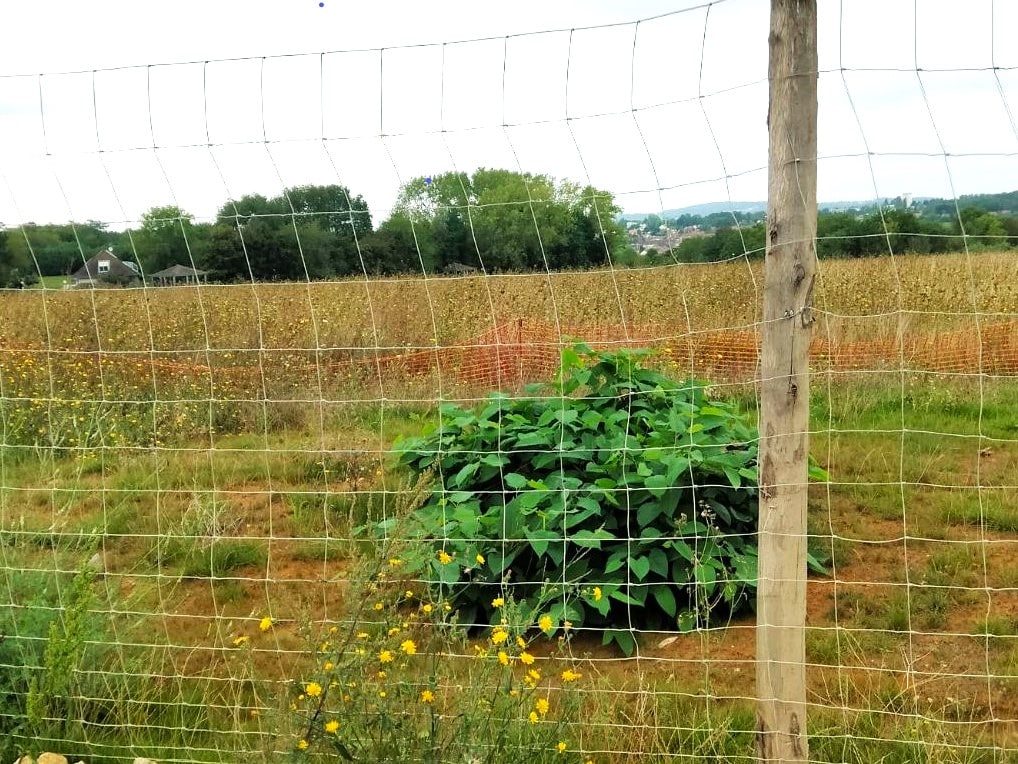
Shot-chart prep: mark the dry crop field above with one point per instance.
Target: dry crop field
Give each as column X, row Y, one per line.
column 209, row 452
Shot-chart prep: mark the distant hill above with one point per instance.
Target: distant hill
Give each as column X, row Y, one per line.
column 710, row 208
column 1002, row 202
column 713, row 208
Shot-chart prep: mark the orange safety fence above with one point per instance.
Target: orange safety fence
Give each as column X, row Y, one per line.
column 506, row 357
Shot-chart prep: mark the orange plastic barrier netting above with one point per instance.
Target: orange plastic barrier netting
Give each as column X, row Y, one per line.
column 506, row 357
column 525, row 350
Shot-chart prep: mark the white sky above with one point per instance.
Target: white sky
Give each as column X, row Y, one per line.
column 637, row 126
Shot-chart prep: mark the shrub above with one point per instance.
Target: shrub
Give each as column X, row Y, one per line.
column 630, row 496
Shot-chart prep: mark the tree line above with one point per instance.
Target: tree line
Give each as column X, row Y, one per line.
column 491, row 220
column 848, row 234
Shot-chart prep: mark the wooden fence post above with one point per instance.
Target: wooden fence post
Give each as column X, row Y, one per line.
column 784, row 386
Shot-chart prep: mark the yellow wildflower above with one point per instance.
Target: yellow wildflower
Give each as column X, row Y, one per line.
column 385, row 656
column 503, row 658
column 570, row 676
column 362, row 635
column 597, row 594
column 427, row 608
column 313, row 690
column 498, row 602
column 331, row 726
column 328, row 666
column 545, row 623
column 561, row 747
column 498, row 636
column 532, row 717
column 526, row 658
column 542, row 706
column 302, row 745
column 395, row 562
column 408, row 646
column 379, row 607
column 265, row 624
column 408, row 594
column 427, row 696
column 480, row 559
column 444, row 557
column 521, row 642
column 240, row 641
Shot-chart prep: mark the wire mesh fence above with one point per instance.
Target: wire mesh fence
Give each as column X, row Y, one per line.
column 471, row 475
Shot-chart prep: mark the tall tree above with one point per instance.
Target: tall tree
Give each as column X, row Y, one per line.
column 61, row 248
column 306, row 232
column 167, row 236
column 504, row 220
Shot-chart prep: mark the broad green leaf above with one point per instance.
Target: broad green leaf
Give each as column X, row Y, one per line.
column 616, row 561
column 540, row 539
column 733, row 477
column 706, row 576
column 665, row 598
column 590, row 539
column 514, row 480
column 658, row 561
column 657, row 485
column 461, row 477
column 623, row 638
column 648, row 512
column 640, row 567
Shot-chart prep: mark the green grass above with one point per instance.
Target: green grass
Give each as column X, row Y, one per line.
column 990, row 508
column 52, row 282
column 302, row 482
column 222, row 558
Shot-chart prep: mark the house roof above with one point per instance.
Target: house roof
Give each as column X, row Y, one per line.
column 177, row 272
column 90, row 270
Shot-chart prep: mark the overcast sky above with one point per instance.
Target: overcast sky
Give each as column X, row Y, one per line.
column 666, row 108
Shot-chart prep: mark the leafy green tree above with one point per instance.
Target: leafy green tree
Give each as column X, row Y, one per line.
column 724, row 244
column 333, row 207
column 987, row 227
column 167, row 236
column 399, row 246
column 1010, row 223
column 502, row 220
column 14, row 267
column 307, row 232
column 653, row 223
column 60, row 249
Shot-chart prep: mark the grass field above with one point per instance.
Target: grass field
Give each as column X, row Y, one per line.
column 53, row 282
column 214, row 505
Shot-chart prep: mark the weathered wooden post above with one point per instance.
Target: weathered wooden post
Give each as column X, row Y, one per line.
column 784, row 386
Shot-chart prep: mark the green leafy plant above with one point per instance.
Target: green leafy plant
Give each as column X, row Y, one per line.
column 629, row 496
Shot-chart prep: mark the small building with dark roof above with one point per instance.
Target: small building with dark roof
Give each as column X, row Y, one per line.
column 178, row 274
column 106, row 268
